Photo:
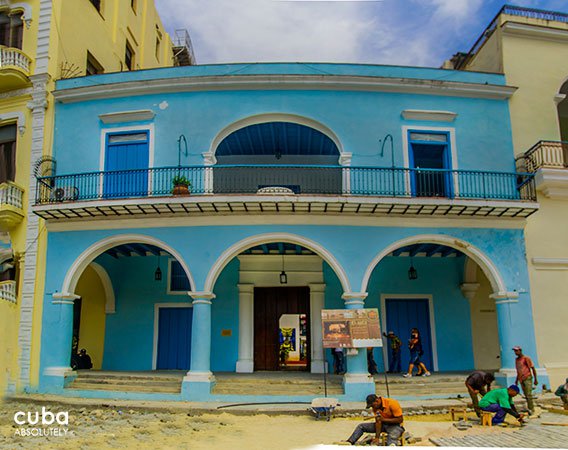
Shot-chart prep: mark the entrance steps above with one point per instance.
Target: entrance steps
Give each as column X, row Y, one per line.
column 276, row 383
column 158, row 382
column 438, row 384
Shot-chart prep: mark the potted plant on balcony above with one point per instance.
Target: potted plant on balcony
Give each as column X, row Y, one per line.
column 181, row 185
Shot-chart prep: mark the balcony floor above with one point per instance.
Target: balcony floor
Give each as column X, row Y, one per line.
column 215, row 205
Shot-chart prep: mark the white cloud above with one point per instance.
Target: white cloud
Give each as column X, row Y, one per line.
column 454, row 9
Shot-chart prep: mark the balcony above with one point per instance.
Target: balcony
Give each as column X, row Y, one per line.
column 548, row 160
column 8, row 291
column 287, row 189
column 14, row 68
column 11, row 205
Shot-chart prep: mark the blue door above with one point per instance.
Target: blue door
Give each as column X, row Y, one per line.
column 404, row 314
column 127, row 158
column 430, row 156
column 174, row 338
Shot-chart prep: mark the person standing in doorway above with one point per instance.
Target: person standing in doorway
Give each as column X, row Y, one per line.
column 416, row 352
column 478, row 382
column 526, row 375
column 395, row 345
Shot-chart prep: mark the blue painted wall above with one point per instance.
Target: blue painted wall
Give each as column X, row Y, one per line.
column 359, row 119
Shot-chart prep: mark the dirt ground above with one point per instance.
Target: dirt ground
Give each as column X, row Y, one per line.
column 112, row 427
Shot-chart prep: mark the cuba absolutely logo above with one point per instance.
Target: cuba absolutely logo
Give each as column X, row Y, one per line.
column 44, row 423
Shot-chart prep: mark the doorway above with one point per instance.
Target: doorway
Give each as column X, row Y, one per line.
column 402, row 314
column 430, row 156
column 282, row 328
column 174, row 338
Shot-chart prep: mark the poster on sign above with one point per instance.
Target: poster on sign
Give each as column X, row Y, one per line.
column 351, row 328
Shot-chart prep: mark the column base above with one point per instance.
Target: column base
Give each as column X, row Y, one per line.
column 357, row 386
column 507, row 377
column 55, row 379
column 196, row 386
column 245, row 366
column 317, row 366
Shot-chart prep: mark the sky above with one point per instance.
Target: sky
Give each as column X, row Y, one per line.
column 395, row 32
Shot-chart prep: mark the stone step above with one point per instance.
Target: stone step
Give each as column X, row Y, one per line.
column 229, row 390
column 123, row 388
column 133, row 377
column 128, row 382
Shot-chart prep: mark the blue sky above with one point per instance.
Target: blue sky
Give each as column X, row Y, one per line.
column 405, row 32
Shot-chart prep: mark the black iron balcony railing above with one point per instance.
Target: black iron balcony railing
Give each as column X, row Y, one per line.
column 544, row 154
column 288, row 179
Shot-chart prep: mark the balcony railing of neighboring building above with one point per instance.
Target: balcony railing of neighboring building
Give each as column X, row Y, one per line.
column 8, row 291
column 544, row 154
column 510, row 10
column 11, row 58
column 183, row 48
column 288, row 179
column 11, row 195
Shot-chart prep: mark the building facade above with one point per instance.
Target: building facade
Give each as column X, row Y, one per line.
column 43, row 41
column 530, row 48
column 311, row 186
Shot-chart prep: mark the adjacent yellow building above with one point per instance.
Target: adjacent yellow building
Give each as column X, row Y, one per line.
column 531, row 48
column 42, row 41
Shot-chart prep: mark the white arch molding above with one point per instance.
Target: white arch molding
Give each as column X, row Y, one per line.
column 110, row 302
column 491, row 272
column 267, row 238
column 86, row 258
column 344, row 157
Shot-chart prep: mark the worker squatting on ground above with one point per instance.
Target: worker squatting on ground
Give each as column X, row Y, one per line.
column 562, row 392
column 500, row 402
column 478, row 382
column 388, row 419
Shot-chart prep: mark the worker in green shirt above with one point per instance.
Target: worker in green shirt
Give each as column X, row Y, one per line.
column 500, row 402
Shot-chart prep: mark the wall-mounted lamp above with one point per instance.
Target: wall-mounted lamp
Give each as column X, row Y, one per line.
column 412, row 273
column 184, row 149
column 283, row 276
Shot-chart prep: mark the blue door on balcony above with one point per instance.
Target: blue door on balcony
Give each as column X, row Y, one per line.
column 174, row 338
column 127, row 158
column 430, row 157
column 404, row 314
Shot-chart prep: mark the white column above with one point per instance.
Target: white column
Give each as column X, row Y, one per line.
column 317, row 300
column 245, row 363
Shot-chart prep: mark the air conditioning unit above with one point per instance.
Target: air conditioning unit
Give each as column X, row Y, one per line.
column 65, row 194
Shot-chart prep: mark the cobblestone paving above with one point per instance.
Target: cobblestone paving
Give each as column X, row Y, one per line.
column 533, row 435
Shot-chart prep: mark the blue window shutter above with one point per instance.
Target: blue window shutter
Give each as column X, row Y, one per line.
column 178, row 278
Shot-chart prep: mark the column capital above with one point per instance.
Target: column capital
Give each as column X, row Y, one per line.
column 201, row 295
column 245, row 288
column 317, row 287
column 469, row 290
column 64, row 298
column 354, row 298
column 504, row 295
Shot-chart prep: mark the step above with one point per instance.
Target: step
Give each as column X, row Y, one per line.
column 133, row 377
column 128, row 382
column 122, row 388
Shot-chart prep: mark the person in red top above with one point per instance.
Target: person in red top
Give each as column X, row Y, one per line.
column 388, row 419
column 526, row 373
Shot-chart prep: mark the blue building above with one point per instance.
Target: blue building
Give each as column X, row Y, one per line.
column 312, row 186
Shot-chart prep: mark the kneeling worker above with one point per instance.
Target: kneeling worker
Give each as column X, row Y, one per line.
column 388, row 419
column 500, row 401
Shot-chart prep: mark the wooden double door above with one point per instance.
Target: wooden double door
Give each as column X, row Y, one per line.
column 269, row 305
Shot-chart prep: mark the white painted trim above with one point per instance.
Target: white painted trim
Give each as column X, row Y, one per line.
column 26, row 8
column 432, row 116
column 277, row 117
column 473, row 252
column 433, row 334
column 88, row 255
column 110, row 302
column 18, row 116
column 201, row 296
column 550, row 263
column 559, row 98
column 157, row 307
column 535, row 31
column 60, row 371
column 453, row 149
column 283, row 82
column 127, row 116
column 266, row 238
column 111, row 130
